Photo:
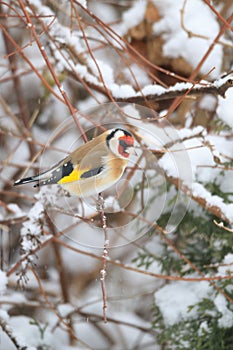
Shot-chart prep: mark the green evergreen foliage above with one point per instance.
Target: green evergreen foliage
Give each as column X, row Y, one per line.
column 199, row 333
column 205, row 245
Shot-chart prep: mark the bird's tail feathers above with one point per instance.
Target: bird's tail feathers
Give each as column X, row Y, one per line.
column 27, row 180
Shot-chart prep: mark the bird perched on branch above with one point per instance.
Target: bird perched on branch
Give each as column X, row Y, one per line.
column 91, row 168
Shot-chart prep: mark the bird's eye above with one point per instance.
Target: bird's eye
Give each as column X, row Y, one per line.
column 123, row 143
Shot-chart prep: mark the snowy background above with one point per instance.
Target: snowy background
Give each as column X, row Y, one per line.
column 163, row 70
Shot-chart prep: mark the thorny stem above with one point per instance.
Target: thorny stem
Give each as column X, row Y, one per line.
column 103, row 271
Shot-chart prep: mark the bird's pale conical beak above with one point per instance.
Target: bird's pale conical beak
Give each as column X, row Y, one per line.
column 131, row 150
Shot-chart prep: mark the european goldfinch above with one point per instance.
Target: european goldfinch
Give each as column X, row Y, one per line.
column 91, row 168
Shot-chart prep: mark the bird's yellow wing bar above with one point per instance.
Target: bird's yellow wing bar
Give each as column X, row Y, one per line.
column 78, row 174
column 75, row 175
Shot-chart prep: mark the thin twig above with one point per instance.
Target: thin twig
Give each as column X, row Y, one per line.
column 103, row 271
column 200, row 36
column 50, row 67
column 221, row 225
column 146, row 272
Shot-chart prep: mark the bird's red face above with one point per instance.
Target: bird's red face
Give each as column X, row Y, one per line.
column 121, row 143
column 126, row 144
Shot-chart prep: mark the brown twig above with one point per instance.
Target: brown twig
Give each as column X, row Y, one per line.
column 220, row 17
column 50, row 67
column 221, row 225
column 128, row 48
column 145, row 272
column 105, row 256
column 195, row 35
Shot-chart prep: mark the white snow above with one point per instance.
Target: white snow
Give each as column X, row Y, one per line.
column 219, row 82
column 227, row 267
column 33, row 225
column 178, row 44
column 204, row 328
column 225, row 106
column 226, row 321
column 140, row 75
column 30, row 335
column 111, row 203
column 17, row 212
column 133, row 16
column 124, row 336
column 208, row 102
column 14, row 297
column 83, row 3
column 175, row 299
column 4, row 315
column 104, row 11
column 65, row 309
column 199, row 190
column 177, row 164
column 122, row 91
column 32, row 228
column 104, row 68
column 151, row 90
column 202, row 165
column 3, row 282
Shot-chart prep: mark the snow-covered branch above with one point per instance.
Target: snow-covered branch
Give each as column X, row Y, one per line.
column 159, row 93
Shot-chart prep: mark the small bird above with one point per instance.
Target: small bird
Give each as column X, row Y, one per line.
column 91, row 168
